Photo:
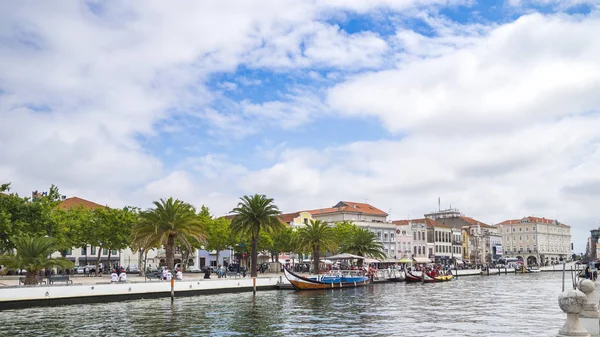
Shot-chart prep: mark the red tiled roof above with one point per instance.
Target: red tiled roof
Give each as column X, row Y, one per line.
column 400, row 222
column 349, row 207
column 475, row 222
column 288, row 217
column 77, row 202
column 533, row 220
column 3, row 194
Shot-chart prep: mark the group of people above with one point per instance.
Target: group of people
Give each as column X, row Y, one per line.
column 166, row 274
column 121, row 277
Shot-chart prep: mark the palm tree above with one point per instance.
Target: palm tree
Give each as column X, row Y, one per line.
column 170, row 221
column 254, row 214
column 363, row 242
column 316, row 237
column 33, row 255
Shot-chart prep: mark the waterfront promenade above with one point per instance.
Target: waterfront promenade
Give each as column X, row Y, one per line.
column 88, row 289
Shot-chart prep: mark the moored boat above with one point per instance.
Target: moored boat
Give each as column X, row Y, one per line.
column 325, row 282
column 396, row 276
column 427, row 278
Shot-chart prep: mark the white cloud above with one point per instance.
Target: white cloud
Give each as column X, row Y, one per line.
column 498, row 120
column 535, row 68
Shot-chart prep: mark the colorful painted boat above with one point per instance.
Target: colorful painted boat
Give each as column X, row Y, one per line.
column 325, row 282
column 413, row 277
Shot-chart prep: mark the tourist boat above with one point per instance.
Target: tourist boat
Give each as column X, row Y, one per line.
column 531, row 270
column 419, row 277
column 325, row 281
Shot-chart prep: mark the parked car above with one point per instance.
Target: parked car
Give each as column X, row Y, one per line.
column 193, row 269
column 132, row 269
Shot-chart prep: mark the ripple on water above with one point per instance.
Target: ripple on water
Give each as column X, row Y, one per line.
column 506, row 305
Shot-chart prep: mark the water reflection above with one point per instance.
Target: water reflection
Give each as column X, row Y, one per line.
column 506, row 305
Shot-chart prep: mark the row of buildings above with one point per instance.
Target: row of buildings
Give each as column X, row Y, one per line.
column 443, row 236
column 448, row 236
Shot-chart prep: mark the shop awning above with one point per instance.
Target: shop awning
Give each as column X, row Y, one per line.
column 421, row 260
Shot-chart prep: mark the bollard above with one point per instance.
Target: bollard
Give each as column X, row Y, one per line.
column 590, row 317
column 172, row 289
column 572, row 302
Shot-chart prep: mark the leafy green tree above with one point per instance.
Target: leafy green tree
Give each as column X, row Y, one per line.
column 219, row 236
column 168, row 222
column 254, row 214
column 318, row 237
column 70, row 227
column 363, row 242
column 343, row 232
column 282, row 242
column 110, row 229
column 32, row 254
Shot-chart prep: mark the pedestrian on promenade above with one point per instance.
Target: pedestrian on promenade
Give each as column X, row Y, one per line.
column 179, row 276
column 169, row 275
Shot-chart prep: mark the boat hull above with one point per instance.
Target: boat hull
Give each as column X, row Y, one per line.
column 303, row 283
column 397, row 277
column 410, row 277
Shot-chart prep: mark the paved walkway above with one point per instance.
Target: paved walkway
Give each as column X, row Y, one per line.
column 13, row 280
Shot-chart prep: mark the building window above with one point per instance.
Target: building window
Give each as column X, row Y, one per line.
column 69, row 252
column 419, row 250
column 415, row 250
column 379, row 235
column 403, row 232
column 385, row 237
column 113, row 252
column 92, row 250
column 513, row 229
column 306, row 221
column 392, row 236
column 415, row 236
column 104, row 251
column 84, row 251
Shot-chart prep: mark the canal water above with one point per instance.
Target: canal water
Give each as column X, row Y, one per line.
column 505, row 305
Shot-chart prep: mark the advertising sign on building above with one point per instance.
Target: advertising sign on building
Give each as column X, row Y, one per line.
column 499, row 250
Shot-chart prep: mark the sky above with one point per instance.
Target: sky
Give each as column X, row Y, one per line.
column 491, row 106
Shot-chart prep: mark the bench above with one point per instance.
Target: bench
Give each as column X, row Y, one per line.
column 232, row 274
column 22, row 281
column 59, row 278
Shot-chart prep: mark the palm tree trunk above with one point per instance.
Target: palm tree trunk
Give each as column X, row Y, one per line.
column 170, row 252
column 254, row 261
column 316, row 259
column 31, row 278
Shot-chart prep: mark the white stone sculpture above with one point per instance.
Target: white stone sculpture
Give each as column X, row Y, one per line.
column 572, row 302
